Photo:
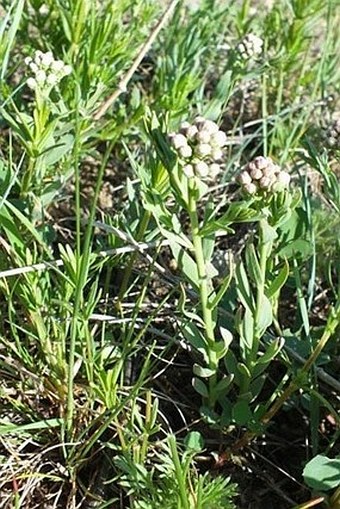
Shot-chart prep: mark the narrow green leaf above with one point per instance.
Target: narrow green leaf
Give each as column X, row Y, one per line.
column 200, row 387
column 243, row 288
column 20, row 428
column 266, row 316
column 279, row 281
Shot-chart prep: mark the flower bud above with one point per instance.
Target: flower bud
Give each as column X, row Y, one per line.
column 57, row 65
column 210, row 126
column 203, row 136
column 203, row 149
column 52, row 79
column 67, row 70
column 40, row 76
column 218, row 139
column 33, row 66
column 244, row 178
column 191, row 132
column 47, row 59
column 217, row 154
column 188, row 171
column 283, row 178
column 214, row 170
column 31, row 83
column 256, row 174
column 201, row 169
column 199, row 122
column 185, row 151
column 265, row 182
column 250, row 188
column 178, row 141
column 262, row 162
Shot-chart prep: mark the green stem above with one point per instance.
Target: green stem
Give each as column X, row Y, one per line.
column 127, row 273
column 263, row 257
column 332, row 323
column 204, row 290
column 83, row 268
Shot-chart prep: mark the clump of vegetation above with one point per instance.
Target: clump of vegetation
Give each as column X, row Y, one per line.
column 169, row 246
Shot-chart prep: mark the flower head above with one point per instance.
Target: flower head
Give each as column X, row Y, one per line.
column 263, row 175
column 199, row 148
column 46, row 71
column 332, row 134
column 250, row 47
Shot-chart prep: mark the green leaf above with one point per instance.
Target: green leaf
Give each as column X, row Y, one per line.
column 279, row 281
column 200, row 387
column 269, row 233
column 59, row 150
column 272, row 351
column 194, row 337
column 243, row 288
column 242, row 413
column 322, row 473
column 226, row 336
column 230, row 363
column 223, row 386
column 6, row 428
column 266, row 315
column 252, row 263
column 202, row 372
column 244, row 371
column 257, row 385
column 299, row 246
column 186, row 264
column 247, row 332
column 194, row 441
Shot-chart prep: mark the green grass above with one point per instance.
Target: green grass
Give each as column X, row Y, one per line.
column 134, row 373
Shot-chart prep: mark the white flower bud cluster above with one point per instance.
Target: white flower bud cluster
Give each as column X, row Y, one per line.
column 262, row 174
column 332, row 134
column 47, row 71
column 250, row 47
column 199, row 147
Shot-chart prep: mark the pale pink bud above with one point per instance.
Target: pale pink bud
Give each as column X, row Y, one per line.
column 250, row 188
column 192, row 131
column 283, row 178
column 262, row 162
column 244, row 178
column 256, row 174
column 203, row 136
column 210, row 126
column 199, row 122
column 265, row 182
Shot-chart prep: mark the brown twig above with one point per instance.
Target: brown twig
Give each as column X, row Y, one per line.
column 122, row 85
